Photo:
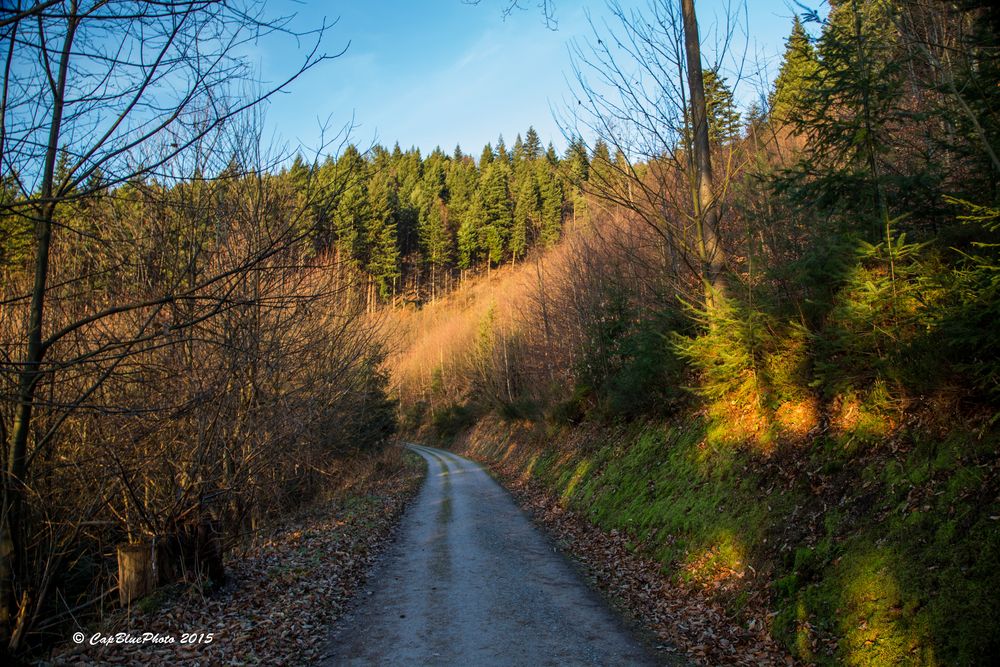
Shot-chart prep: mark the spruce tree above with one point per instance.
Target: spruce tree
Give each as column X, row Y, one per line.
column 349, row 216
column 486, row 157
column 470, row 233
column 435, row 241
column 798, row 67
column 502, row 154
column 532, row 144
column 723, row 118
column 518, row 155
column 849, row 109
column 527, row 211
column 577, row 162
column 551, row 156
column 551, row 192
column 382, row 244
column 497, row 215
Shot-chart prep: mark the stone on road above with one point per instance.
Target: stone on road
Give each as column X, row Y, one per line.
column 470, row 581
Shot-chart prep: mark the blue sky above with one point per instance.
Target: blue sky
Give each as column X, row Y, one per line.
column 443, row 72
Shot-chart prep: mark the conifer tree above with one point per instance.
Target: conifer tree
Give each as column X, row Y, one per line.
column 551, row 156
column 470, row 232
column 551, row 192
column 849, row 108
column 532, row 144
column 409, row 171
column 349, row 217
column 578, row 164
column 527, row 211
column 486, row 157
column 502, row 154
column 798, row 67
column 518, row 155
column 497, row 215
column 435, row 241
column 382, row 244
column 723, row 118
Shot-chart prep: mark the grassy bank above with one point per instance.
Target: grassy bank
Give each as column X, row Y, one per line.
column 862, row 554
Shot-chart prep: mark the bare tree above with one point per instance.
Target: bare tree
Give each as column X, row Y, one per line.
column 706, row 209
column 97, row 94
column 640, row 90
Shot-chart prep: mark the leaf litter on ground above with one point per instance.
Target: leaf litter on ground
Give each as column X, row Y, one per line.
column 282, row 594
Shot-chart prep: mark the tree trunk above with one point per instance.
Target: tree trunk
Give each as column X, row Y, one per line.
column 136, row 574
column 15, row 471
column 706, row 212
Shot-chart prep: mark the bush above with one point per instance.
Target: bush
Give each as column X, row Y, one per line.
column 452, row 420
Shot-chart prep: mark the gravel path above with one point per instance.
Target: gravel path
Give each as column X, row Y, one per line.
column 470, row 581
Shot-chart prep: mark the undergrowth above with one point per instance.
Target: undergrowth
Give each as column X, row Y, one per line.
column 891, row 557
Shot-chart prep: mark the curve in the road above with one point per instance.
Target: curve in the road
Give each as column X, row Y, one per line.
column 470, row 581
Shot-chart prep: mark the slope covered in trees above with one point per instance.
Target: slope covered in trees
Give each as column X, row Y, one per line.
column 759, row 346
column 817, row 450
column 414, row 225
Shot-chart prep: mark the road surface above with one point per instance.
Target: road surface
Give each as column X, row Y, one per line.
column 470, row 581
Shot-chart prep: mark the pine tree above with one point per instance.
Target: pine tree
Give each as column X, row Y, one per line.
column 409, row 171
column 470, row 232
column 461, row 183
column 849, row 108
column 551, row 192
column 497, row 215
column 349, row 216
column 551, row 156
column 502, row 154
column 798, row 67
column 532, row 144
column 518, row 155
column 723, row 118
column 435, row 241
column 382, row 244
column 577, row 162
column 486, row 157
column 527, row 211
column 15, row 228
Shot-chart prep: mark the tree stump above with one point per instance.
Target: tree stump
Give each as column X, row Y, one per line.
column 135, row 572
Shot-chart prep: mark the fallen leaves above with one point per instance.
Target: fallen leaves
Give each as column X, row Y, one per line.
column 684, row 616
column 281, row 596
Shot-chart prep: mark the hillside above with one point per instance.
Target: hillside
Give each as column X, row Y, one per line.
column 858, row 529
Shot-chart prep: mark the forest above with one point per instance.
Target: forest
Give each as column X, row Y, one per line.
column 756, row 343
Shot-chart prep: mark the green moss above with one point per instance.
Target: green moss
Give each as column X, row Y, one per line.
column 900, row 564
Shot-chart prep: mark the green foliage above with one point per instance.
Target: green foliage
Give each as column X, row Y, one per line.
column 381, row 233
column 723, row 117
column 967, row 315
column 875, row 322
column 527, row 210
column 899, row 564
column 452, row 420
column 497, row 214
column 15, row 227
column 395, row 214
column 648, row 378
column 848, row 110
column 728, row 352
column 799, row 66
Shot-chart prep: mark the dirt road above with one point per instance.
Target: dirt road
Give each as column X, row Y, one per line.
column 470, row 581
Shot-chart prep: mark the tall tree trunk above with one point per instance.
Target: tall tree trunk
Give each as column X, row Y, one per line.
column 706, row 211
column 15, row 472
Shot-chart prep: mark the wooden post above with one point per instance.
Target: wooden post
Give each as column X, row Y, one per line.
column 135, row 571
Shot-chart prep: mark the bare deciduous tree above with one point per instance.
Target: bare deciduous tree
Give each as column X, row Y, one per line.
column 640, row 90
column 98, row 94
